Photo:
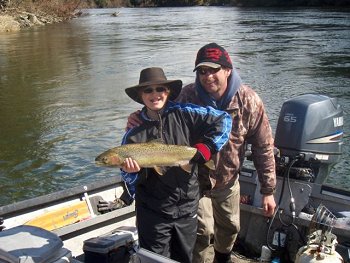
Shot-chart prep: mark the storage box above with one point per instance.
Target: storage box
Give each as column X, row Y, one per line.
column 113, row 247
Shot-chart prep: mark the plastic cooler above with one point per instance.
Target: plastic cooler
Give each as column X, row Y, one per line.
column 115, row 246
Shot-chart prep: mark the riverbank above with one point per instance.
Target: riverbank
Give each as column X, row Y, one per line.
column 13, row 20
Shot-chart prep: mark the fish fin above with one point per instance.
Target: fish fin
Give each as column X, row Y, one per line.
column 158, row 140
column 187, row 167
column 210, row 165
column 159, row 170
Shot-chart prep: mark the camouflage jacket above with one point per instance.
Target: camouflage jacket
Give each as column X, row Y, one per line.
column 250, row 125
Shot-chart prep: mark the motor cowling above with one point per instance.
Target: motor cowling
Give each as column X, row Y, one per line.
column 310, row 132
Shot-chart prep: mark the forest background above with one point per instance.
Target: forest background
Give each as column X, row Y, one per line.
column 66, row 8
column 19, row 14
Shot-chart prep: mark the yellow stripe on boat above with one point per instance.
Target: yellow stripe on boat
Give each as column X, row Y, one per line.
column 61, row 217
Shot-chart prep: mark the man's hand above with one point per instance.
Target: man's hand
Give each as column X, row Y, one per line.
column 133, row 120
column 269, row 205
column 130, row 166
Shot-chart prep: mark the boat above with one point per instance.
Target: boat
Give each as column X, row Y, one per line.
column 312, row 220
column 308, row 144
column 72, row 214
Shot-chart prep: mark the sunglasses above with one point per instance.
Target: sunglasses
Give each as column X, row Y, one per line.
column 157, row 89
column 205, row 71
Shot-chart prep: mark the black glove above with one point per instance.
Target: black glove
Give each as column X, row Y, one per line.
column 1, row 222
column 108, row 206
column 202, row 155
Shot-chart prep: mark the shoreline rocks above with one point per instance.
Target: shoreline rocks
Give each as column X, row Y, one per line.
column 8, row 24
column 15, row 20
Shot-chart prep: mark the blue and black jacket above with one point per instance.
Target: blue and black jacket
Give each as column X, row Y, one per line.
column 176, row 193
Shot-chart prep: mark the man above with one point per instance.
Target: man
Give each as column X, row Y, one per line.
column 218, row 85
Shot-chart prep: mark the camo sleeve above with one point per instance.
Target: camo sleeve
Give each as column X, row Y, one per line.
column 260, row 136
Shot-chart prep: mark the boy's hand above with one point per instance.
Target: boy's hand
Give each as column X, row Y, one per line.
column 202, row 155
column 130, row 166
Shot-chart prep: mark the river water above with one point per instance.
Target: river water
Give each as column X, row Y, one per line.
column 62, row 99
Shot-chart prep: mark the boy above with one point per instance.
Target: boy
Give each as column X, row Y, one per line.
column 166, row 205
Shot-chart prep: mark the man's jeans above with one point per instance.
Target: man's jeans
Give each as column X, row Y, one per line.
column 218, row 218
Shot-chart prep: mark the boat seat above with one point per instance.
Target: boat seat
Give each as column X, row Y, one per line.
column 31, row 244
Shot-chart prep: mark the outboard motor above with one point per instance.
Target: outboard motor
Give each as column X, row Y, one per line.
column 309, row 137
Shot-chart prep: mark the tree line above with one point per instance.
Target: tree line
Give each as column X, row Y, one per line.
column 66, row 8
column 241, row 3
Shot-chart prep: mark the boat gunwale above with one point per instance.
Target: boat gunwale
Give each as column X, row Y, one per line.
column 57, row 197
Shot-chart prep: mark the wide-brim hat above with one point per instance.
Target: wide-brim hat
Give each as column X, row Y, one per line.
column 154, row 76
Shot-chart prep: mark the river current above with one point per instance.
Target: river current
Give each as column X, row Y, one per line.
column 62, row 99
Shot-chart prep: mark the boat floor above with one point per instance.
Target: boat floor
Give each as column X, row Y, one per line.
column 241, row 259
column 236, row 257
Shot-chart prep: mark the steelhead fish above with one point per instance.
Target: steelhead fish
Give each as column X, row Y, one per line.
column 151, row 155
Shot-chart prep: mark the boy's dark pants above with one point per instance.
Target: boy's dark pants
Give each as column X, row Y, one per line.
column 172, row 238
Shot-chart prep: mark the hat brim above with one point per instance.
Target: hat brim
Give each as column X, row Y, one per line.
column 207, row 64
column 174, row 86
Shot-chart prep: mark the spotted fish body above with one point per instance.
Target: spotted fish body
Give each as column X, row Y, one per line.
column 151, row 154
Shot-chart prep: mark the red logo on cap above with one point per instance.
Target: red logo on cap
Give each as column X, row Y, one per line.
column 228, row 57
column 213, row 53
